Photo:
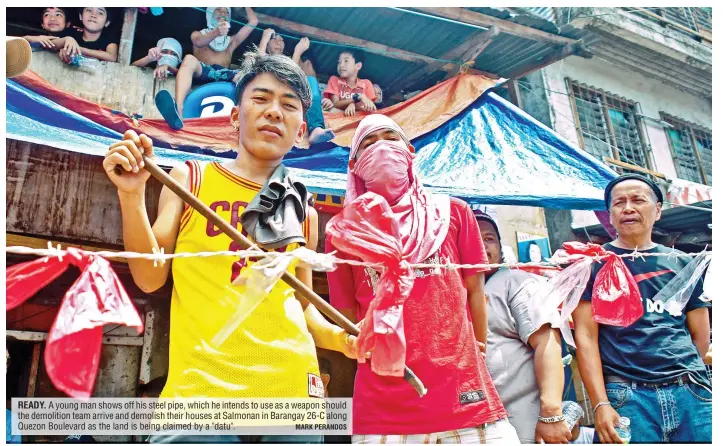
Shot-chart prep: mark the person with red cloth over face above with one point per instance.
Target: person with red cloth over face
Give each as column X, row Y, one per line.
column 444, row 316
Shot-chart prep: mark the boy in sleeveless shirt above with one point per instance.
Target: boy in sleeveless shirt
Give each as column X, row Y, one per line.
column 273, row 353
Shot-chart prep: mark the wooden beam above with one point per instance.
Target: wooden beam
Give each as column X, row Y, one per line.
column 128, row 31
column 468, row 51
column 576, row 48
column 38, row 336
column 469, row 55
column 331, row 36
column 515, row 94
column 33, row 376
column 475, row 18
column 634, row 167
column 27, row 336
column 39, row 299
column 144, row 373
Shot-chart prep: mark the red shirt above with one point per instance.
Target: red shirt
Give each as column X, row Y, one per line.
column 338, row 87
column 441, row 346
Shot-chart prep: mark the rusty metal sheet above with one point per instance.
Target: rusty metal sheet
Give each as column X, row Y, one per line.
column 56, row 193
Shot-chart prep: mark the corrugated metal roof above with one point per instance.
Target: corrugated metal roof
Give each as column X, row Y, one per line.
column 545, row 12
column 540, row 18
column 421, row 35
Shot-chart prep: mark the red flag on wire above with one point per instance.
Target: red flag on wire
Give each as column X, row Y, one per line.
column 97, row 298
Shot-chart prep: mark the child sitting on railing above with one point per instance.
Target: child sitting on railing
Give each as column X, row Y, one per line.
column 167, row 54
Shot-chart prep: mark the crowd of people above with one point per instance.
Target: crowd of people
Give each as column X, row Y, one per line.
column 70, row 41
column 211, row 61
column 489, row 356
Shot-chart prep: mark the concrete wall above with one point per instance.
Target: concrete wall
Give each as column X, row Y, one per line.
column 652, row 95
column 124, row 88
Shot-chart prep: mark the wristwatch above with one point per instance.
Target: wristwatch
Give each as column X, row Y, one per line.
column 356, row 97
column 550, row 420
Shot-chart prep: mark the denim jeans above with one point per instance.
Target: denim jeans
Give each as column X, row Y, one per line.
column 674, row 413
column 314, row 114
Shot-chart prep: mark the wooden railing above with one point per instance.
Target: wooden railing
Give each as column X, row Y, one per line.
column 694, row 21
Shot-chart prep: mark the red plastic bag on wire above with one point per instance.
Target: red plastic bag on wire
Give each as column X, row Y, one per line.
column 25, row 279
column 366, row 229
column 97, row 298
column 615, row 295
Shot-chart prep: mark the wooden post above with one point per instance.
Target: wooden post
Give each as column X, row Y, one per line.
column 572, row 101
column 127, row 33
column 144, row 373
column 693, row 140
column 642, row 130
column 673, row 149
column 515, row 94
column 610, row 128
column 34, row 364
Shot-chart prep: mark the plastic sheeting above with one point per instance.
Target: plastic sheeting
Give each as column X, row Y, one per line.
column 417, row 116
column 489, row 153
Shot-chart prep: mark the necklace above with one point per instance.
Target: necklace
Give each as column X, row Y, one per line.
column 619, row 244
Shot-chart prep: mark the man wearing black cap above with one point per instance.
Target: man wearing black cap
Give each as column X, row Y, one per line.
column 524, row 359
column 652, row 371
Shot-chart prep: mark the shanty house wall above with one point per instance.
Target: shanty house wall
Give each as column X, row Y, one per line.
column 124, row 88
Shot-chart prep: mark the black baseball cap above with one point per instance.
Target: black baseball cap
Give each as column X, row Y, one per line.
column 482, row 216
column 632, row 176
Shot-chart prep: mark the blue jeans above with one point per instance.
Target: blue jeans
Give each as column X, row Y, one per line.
column 314, row 114
column 675, row 413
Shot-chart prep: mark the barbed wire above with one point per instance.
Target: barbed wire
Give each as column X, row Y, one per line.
column 159, row 257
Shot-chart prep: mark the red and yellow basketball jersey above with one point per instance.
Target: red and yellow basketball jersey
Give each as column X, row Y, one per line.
column 271, row 354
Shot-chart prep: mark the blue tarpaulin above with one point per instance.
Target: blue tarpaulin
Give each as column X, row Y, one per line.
column 491, row 153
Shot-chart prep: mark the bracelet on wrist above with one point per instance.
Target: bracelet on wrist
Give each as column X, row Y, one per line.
column 550, row 420
column 600, row 404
